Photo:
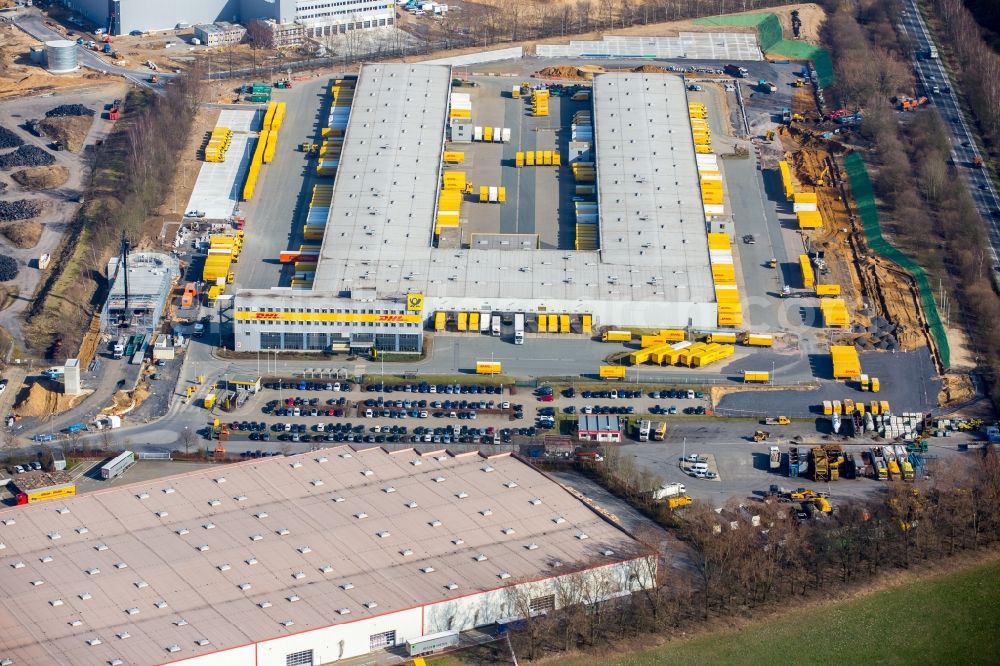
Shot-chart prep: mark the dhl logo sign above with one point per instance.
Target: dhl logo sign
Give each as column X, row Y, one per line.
column 341, row 317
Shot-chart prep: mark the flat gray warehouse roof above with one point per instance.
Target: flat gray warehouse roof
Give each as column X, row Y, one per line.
column 226, row 555
column 650, row 211
column 381, row 222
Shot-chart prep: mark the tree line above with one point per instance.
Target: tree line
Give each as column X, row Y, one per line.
column 934, row 222
column 753, row 554
column 978, row 65
column 130, row 174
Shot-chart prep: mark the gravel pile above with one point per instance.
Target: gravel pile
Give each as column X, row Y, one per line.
column 26, row 156
column 9, row 139
column 19, row 210
column 8, row 268
column 69, row 110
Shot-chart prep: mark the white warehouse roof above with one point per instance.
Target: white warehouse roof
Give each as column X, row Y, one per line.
column 176, row 567
column 379, row 233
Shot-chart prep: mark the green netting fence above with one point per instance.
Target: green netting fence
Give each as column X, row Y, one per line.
column 771, row 42
column 864, row 196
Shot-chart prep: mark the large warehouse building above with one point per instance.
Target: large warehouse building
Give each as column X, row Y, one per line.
column 299, row 560
column 379, row 278
column 319, row 17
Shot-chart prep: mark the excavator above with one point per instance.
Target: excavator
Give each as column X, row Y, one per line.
column 820, row 180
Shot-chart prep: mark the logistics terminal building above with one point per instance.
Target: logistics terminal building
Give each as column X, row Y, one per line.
column 379, row 278
column 300, row 560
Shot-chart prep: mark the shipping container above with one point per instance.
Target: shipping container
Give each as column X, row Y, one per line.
column 431, row 643
column 616, row 336
column 758, row 340
column 612, row 372
column 439, row 320
column 117, row 465
column 758, row 376
column 488, row 368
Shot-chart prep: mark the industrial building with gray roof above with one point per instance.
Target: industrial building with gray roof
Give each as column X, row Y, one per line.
column 652, row 269
column 256, row 561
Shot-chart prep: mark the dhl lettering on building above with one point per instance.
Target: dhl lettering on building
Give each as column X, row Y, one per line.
column 331, row 316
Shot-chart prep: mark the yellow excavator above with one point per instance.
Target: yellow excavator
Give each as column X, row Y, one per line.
column 821, row 179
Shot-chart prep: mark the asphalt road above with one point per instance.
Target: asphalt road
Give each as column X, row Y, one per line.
column 964, row 151
column 911, row 389
column 32, row 22
column 276, row 214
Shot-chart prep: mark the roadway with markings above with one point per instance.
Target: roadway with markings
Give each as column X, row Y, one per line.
column 931, row 72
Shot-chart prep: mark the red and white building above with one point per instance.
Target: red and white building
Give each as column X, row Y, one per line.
column 305, row 559
column 599, row 428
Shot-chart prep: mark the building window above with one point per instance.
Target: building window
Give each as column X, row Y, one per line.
column 542, row 604
column 409, row 343
column 293, row 341
column 316, row 341
column 270, row 340
column 381, row 641
column 304, row 658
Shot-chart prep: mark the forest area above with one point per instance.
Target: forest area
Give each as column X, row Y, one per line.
column 924, row 215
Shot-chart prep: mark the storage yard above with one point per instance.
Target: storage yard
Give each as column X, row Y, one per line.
column 514, row 187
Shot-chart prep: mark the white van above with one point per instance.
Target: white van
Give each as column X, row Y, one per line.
column 699, row 467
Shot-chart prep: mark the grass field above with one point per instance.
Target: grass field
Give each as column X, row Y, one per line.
column 947, row 619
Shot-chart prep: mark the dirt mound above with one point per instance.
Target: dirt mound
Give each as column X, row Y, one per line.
column 41, row 178
column 955, row 390
column 124, row 402
column 44, row 398
column 569, row 72
column 650, row 69
column 23, row 234
column 71, row 131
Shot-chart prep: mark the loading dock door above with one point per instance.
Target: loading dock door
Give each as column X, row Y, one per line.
column 381, row 641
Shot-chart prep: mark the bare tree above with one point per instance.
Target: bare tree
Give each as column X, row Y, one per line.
column 187, row 439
